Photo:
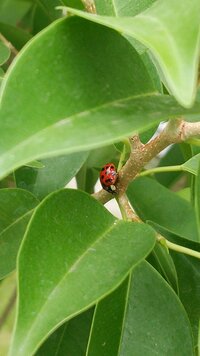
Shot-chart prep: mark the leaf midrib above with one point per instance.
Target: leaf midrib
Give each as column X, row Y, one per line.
column 39, row 312
column 74, row 116
column 16, row 221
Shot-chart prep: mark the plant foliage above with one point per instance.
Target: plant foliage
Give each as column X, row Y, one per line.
column 77, row 79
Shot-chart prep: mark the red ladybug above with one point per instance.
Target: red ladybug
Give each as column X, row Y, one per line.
column 108, row 177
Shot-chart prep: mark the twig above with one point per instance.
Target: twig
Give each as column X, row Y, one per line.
column 176, row 131
column 190, row 129
column 127, row 212
column 8, row 308
column 178, row 248
column 163, row 169
column 142, row 154
column 8, row 44
column 89, row 6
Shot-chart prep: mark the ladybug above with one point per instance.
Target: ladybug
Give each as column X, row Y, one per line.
column 108, row 177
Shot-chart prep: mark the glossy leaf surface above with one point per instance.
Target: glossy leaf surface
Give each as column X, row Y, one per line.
column 69, row 93
column 155, row 319
column 172, row 157
column 146, row 316
column 192, row 164
column 70, row 338
column 162, row 28
column 121, row 7
column 187, row 268
column 89, row 172
column 163, row 262
column 15, row 35
column 107, row 326
column 49, row 7
column 35, row 164
column 189, row 287
column 16, row 207
column 55, row 174
column 67, row 109
column 73, row 265
column 147, row 197
column 197, row 202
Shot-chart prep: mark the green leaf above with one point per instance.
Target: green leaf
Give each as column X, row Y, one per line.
column 12, row 11
column 104, row 7
column 1, row 75
column 8, row 182
column 146, row 316
column 192, row 164
column 60, row 108
column 131, row 8
column 171, row 31
column 185, row 194
column 55, row 174
column 189, row 287
column 99, row 157
column 147, row 135
column 183, row 241
column 15, row 35
column 197, row 198
column 155, row 319
column 78, row 112
column 187, row 268
column 40, row 19
column 7, row 296
column 150, row 66
column 49, row 7
column 89, row 173
column 77, row 4
column 163, row 262
column 69, row 339
column 167, row 173
column 172, row 157
column 73, row 265
column 16, row 207
column 35, row 164
column 121, row 7
column 107, row 326
column 4, row 53
column 154, row 202
column 45, row 12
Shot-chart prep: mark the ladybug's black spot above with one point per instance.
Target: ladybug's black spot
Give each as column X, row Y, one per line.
column 103, row 169
column 109, row 189
column 112, row 167
column 108, row 180
column 102, row 176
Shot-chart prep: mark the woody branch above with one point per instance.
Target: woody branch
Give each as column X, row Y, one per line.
column 176, row 131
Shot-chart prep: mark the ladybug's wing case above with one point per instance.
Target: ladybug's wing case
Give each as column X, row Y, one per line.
column 108, row 177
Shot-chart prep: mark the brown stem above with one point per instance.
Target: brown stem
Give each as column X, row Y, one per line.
column 8, row 44
column 142, row 154
column 103, row 196
column 175, row 131
column 89, row 6
column 128, row 210
column 190, row 129
column 8, row 308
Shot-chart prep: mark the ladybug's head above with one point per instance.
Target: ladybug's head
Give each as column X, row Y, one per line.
column 110, row 189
